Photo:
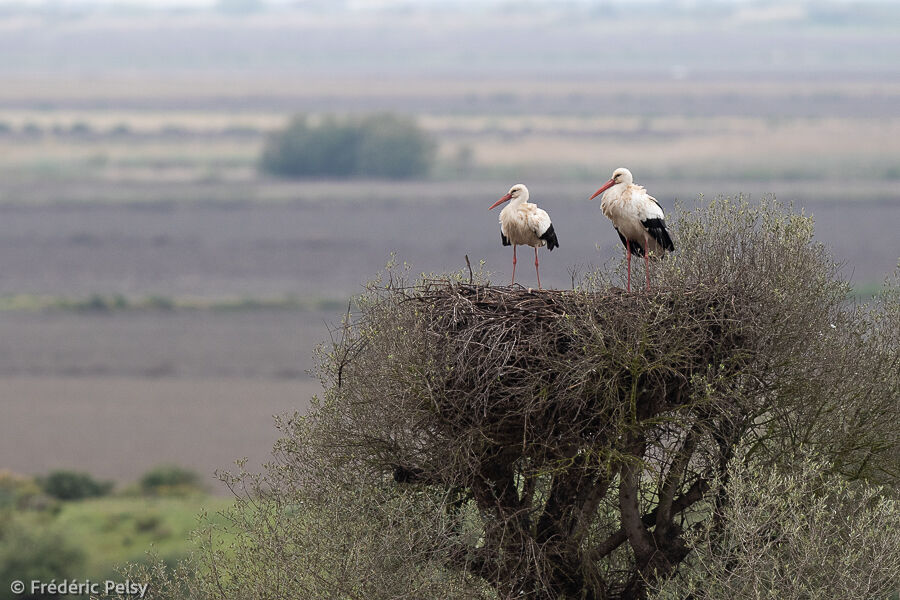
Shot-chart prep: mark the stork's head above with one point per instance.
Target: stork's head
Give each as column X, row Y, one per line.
column 620, row 175
column 516, row 192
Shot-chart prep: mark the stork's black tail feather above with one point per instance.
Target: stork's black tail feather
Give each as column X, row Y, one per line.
column 636, row 248
column 549, row 236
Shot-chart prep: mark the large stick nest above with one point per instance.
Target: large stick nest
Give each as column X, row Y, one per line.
column 472, row 366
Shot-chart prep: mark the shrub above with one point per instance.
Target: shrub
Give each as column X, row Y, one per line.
column 394, row 148
column 170, row 480
column 32, row 129
column 28, row 552
column 793, row 533
column 81, row 128
column 157, row 302
column 379, row 146
column 71, row 485
column 120, row 129
column 482, row 442
column 19, row 492
column 168, row 578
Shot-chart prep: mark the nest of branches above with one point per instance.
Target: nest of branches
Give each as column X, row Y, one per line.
column 466, row 367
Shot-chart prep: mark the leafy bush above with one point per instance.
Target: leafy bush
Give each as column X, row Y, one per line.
column 170, row 480
column 793, row 534
column 167, row 578
column 378, row 146
column 28, row 552
column 32, row 129
column 81, row 128
column 393, row 147
column 19, row 492
column 71, row 485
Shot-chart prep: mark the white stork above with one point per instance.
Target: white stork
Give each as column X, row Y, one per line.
column 637, row 217
column 524, row 223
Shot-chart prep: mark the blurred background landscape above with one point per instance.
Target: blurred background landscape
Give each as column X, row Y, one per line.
column 161, row 291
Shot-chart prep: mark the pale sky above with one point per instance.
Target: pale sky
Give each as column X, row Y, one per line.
column 362, row 3
column 377, row 4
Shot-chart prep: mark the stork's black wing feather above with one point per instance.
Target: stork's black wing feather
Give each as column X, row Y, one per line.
column 657, row 230
column 504, row 239
column 549, row 236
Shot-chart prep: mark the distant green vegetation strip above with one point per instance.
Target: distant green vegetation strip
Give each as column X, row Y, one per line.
column 104, row 303
column 867, row 290
column 119, row 302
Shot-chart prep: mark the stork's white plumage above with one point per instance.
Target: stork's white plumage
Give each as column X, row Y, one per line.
column 523, row 223
column 637, row 217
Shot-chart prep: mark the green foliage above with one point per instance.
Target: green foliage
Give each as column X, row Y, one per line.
column 393, row 147
column 157, row 302
column 377, row 146
column 81, row 128
column 166, row 579
column 340, row 538
column 793, row 533
column 45, row 538
column 100, row 303
column 28, row 552
column 170, row 480
column 18, row 492
column 72, row 485
column 32, row 129
column 93, row 303
column 93, row 538
column 115, row 530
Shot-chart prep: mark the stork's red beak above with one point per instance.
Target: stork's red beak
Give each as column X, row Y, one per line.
column 500, row 201
column 605, row 187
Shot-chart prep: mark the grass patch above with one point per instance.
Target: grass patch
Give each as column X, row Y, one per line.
column 867, row 290
column 113, row 531
column 107, row 303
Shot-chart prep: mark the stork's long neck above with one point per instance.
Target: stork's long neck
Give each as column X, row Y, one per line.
column 613, row 192
column 518, row 201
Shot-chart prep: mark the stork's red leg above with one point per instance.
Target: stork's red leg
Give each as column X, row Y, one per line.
column 536, row 270
column 628, row 253
column 514, row 266
column 647, row 260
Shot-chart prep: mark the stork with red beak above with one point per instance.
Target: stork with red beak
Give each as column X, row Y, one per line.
column 637, row 217
column 523, row 223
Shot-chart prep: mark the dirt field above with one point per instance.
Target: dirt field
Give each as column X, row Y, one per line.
column 116, row 392
column 332, row 238
column 117, row 428
column 262, row 344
